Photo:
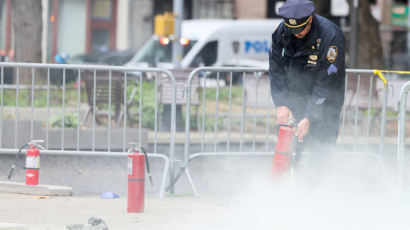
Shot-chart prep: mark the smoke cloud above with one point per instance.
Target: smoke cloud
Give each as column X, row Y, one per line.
column 349, row 192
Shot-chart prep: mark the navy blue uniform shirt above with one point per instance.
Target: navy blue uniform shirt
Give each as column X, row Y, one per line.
column 308, row 75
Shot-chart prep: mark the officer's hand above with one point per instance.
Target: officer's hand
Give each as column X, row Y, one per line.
column 303, row 129
column 283, row 113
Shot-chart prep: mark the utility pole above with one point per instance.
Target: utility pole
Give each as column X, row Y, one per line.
column 353, row 35
column 176, row 45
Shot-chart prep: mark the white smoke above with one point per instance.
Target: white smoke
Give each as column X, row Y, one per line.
column 352, row 192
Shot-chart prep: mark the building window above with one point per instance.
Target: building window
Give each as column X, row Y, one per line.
column 101, row 9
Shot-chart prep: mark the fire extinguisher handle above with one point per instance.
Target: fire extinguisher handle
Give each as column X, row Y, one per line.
column 291, row 123
column 147, row 163
column 36, row 144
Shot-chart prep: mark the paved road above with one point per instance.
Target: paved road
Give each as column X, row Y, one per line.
column 252, row 211
column 58, row 212
column 351, row 194
column 338, row 203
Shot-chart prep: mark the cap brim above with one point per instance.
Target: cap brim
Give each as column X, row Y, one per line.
column 296, row 30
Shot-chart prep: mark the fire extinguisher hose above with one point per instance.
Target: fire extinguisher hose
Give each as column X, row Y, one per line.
column 147, row 163
column 13, row 166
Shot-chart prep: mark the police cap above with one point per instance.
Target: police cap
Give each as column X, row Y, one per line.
column 296, row 14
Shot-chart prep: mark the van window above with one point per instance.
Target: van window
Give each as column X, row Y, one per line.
column 153, row 51
column 207, row 56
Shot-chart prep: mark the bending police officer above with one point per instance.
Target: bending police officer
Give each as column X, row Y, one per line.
column 307, row 74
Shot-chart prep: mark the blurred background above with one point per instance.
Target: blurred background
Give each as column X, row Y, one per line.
column 112, row 31
column 150, row 33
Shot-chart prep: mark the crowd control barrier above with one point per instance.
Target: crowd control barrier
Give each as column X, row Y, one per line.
column 97, row 110
column 243, row 113
column 85, row 110
column 401, row 144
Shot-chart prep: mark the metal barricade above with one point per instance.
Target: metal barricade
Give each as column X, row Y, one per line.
column 243, row 122
column 366, row 95
column 44, row 104
column 401, row 144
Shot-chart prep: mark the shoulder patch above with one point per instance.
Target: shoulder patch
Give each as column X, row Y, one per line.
column 332, row 54
column 332, row 69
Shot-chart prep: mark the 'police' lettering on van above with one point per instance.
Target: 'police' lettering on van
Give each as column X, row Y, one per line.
column 257, row 46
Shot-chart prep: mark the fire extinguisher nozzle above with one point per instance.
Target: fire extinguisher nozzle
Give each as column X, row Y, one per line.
column 13, row 166
column 150, row 179
column 147, row 163
column 11, row 172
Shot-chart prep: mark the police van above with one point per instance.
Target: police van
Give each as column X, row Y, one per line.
column 212, row 42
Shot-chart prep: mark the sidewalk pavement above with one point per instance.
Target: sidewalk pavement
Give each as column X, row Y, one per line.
column 57, row 212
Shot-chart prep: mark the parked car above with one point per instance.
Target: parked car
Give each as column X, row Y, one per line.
column 112, row 57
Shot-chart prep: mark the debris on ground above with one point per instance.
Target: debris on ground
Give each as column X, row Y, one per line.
column 94, row 223
column 109, row 195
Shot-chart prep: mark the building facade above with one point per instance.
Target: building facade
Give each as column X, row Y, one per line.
column 83, row 26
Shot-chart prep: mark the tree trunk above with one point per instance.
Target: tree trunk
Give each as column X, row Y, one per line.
column 369, row 53
column 27, row 25
column 322, row 8
column 369, row 50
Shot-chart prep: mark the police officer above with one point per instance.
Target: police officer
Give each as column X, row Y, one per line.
column 307, row 74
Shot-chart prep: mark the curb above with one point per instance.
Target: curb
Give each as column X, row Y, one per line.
column 13, row 226
column 41, row 189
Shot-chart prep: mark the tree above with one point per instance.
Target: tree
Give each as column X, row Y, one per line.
column 322, row 7
column 27, row 26
column 369, row 53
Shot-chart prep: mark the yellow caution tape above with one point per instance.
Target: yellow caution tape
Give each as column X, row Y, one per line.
column 380, row 75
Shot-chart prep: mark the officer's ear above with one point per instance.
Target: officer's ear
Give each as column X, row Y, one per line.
column 311, row 18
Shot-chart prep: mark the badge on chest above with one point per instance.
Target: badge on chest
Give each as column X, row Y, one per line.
column 314, row 56
column 312, row 59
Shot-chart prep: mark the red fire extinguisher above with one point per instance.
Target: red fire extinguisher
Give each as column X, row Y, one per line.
column 32, row 165
column 136, row 179
column 282, row 159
